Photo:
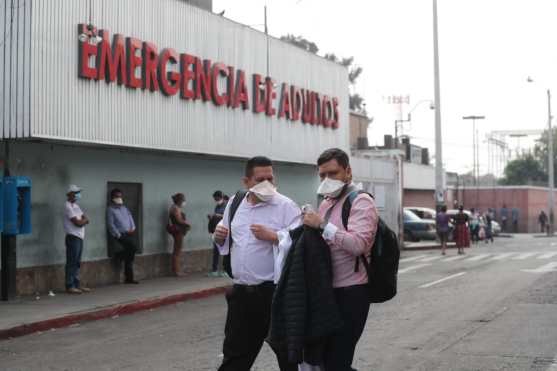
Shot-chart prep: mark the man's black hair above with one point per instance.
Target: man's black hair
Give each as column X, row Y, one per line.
column 334, row 154
column 257, row 161
column 217, row 194
column 114, row 191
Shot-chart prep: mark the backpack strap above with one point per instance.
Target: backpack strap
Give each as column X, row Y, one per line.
column 346, row 207
column 227, row 259
column 238, row 198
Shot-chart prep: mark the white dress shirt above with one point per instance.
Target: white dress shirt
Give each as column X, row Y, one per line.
column 254, row 261
column 72, row 210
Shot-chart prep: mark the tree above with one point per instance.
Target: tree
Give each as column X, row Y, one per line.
column 301, row 42
column 524, row 170
column 541, row 151
column 356, row 101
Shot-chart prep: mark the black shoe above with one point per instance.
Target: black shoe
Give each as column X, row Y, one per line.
column 131, row 282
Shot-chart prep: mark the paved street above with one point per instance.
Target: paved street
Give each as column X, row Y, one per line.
column 494, row 308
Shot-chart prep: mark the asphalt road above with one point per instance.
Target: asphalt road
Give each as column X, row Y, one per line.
column 493, row 309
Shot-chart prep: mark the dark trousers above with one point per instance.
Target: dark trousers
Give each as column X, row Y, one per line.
column 127, row 255
column 216, row 256
column 247, row 325
column 353, row 302
column 74, row 248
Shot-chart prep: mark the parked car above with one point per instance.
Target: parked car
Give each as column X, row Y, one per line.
column 416, row 229
column 423, row 212
column 427, row 213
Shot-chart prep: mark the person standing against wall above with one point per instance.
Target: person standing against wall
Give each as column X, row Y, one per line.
column 122, row 227
column 515, row 214
column 504, row 217
column 74, row 226
column 177, row 226
column 542, row 220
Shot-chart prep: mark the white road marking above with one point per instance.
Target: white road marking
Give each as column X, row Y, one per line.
column 549, row 267
column 412, row 268
column 477, row 257
column 524, row 255
column 547, row 255
column 405, row 260
column 502, row 256
column 430, row 259
column 442, row 280
column 453, row 258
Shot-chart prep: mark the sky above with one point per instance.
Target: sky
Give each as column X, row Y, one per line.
column 487, row 49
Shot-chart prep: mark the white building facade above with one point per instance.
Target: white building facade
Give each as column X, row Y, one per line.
column 155, row 97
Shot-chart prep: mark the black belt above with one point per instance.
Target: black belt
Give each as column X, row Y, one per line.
column 250, row 289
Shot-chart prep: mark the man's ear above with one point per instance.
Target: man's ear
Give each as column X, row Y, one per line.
column 245, row 181
column 349, row 173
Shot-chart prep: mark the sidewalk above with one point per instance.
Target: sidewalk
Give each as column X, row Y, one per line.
column 26, row 315
column 426, row 245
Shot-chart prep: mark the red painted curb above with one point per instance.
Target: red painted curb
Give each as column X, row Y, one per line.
column 103, row 313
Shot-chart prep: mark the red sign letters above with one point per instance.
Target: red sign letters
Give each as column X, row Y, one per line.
column 140, row 65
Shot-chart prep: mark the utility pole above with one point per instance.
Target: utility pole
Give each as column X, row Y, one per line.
column 476, row 170
column 550, row 165
column 439, row 188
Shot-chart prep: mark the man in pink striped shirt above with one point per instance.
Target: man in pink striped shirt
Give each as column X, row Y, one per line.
column 346, row 246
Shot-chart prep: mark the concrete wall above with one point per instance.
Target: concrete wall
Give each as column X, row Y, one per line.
column 419, row 198
column 529, row 200
column 53, row 166
column 380, row 177
column 417, row 176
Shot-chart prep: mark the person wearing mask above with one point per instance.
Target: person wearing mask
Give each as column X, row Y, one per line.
column 122, row 227
column 74, row 227
column 346, row 245
column 442, row 219
column 179, row 226
column 214, row 219
column 259, row 235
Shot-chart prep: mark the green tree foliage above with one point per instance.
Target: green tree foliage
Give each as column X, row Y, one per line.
column 541, row 151
column 301, row 42
column 524, row 170
column 356, row 101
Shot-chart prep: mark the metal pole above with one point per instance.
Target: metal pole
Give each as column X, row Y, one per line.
column 439, row 188
column 550, row 165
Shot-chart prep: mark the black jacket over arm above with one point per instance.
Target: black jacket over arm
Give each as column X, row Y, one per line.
column 304, row 310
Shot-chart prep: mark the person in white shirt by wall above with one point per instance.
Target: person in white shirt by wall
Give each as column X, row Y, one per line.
column 74, row 226
column 260, row 234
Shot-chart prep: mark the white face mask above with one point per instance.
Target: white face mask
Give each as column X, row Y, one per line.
column 183, row 204
column 330, row 187
column 118, row 201
column 264, row 190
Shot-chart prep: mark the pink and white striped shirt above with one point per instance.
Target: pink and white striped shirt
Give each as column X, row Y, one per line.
column 347, row 245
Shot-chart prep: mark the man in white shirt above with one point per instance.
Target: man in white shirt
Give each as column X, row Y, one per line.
column 74, row 226
column 260, row 234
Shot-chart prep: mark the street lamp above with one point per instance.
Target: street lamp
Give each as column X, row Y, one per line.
column 476, row 156
column 551, row 198
column 409, row 115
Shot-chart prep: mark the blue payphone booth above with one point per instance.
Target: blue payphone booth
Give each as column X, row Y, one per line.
column 17, row 205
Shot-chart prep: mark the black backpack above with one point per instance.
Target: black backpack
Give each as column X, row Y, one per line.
column 226, row 262
column 382, row 266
